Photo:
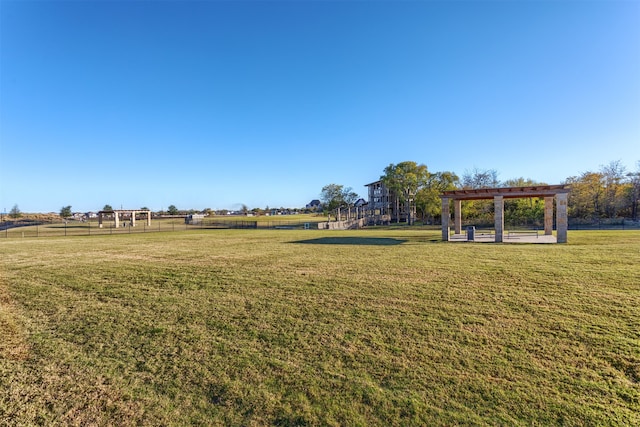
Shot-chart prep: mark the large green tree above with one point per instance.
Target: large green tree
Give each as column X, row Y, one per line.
column 586, row 198
column 480, row 211
column 525, row 211
column 65, row 211
column 428, row 201
column 15, row 212
column 332, row 198
column 404, row 180
column 335, row 197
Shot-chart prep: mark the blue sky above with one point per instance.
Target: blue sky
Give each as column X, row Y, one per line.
column 214, row 104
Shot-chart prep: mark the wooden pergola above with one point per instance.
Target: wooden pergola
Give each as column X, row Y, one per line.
column 548, row 192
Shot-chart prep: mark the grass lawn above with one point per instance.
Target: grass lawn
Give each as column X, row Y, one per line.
column 308, row 327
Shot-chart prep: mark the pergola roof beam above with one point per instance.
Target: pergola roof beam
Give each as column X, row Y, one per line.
column 506, row 192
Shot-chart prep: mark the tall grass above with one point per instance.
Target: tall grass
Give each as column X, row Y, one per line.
column 256, row 327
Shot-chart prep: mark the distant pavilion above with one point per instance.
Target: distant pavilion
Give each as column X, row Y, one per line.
column 559, row 193
column 123, row 214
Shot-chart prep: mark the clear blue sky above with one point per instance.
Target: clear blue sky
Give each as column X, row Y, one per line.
column 219, row 103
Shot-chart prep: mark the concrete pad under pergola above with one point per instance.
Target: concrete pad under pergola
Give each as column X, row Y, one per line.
column 559, row 193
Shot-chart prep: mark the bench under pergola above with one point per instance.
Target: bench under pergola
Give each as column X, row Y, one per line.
column 548, row 192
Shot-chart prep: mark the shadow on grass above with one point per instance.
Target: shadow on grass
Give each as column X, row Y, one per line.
column 373, row 241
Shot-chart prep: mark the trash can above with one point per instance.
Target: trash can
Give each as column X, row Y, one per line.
column 471, row 233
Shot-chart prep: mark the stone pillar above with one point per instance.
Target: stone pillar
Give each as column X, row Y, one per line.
column 445, row 219
column 133, row 218
column 498, row 205
column 117, row 219
column 99, row 219
column 149, row 219
column 457, row 212
column 548, row 215
column 562, row 223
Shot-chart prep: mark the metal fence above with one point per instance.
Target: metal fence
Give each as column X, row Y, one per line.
column 605, row 224
column 24, row 229
column 574, row 224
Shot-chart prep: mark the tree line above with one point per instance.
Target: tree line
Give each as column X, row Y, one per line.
column 609, row 193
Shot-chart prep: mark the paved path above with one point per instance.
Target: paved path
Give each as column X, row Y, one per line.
column 514, row 238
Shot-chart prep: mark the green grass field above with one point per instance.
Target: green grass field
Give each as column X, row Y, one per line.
column 290, row 327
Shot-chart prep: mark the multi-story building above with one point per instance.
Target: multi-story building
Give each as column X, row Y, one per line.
column 379, row 198
column 384, row 206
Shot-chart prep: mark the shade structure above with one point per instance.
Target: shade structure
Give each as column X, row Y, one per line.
column 559, row 193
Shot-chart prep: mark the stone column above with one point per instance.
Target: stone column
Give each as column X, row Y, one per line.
column 133, row 218
column 445, row 219
column 498, row 205
column 99, row 219
column 548, row 215
column 457, row 212
column 149, row 219
column 562, row 223
column 117, row 219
